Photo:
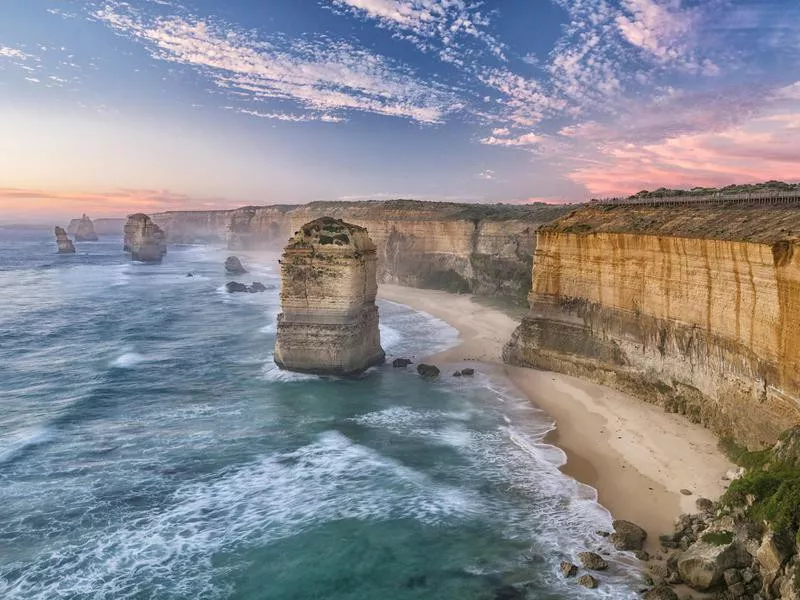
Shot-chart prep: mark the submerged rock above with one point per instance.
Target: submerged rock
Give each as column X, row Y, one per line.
column 401, row 362
column 428, row 371
column 234, row 266
column 234, row 287
column 587, row 581
column 65, row 245
column 627, row 536
column 144, row 239
column 329, row 320
column 592, row 561
column 568, row 569
column 468, row 372
column 84, row 230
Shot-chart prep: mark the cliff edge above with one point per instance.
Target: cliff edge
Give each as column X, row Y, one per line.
column 696, row 308
column 329, row 320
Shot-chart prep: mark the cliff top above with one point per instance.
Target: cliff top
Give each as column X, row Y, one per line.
column 400, row 209
column 734, row 221
column 333, row 234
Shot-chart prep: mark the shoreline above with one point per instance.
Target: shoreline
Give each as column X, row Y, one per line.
column 635, row 455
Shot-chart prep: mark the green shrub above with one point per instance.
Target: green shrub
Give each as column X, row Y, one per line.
column 718, row 538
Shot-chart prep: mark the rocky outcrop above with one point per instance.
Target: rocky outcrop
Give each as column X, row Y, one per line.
column 428, row 371
column 329, row 320
column 634, row 298
column 234, row 265
column 485, row 249
column 65, row 245
column 144, row 239
column 83, row 229
column 234, row 287
column 100, row 226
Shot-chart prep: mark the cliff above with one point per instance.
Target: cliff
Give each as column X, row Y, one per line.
column 486, row 249
column 65, row 245
column 144, row 239
column 82, row 229
column 329, row 320
column 696, row 308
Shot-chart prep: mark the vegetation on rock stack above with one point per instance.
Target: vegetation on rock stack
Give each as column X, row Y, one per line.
column 749, row 188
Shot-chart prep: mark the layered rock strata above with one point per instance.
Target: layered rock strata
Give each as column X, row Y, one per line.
column 83, row 229
column 144, row 239
column 705, row 326
column 485, row 249
column 65, row 245
column 329, row 320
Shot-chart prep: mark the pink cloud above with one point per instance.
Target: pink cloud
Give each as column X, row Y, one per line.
column 16, row 203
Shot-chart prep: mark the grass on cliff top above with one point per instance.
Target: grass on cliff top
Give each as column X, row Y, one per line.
column 771, row 483
column 767, row 186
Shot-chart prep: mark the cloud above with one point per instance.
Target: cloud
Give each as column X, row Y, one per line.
column 486, row 174
column 325, row 118
column 40, row 203
column 525, row 140
column 6, row 52
column 443, row 26
column 317, row 73
column 759, row 149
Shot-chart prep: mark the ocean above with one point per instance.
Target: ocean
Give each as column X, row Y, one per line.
column 150, row 449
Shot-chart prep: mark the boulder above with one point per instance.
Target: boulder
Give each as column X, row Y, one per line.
column 568, row 569
column 703, row 565
column 234, row 266
column 234, row 287
column 428, row 371
column 65, row 245
column 257, row 286
column 704, row 505
column 774, row 551
column 468, row 372
column 401, row 362
column 592, row 561
column 457, row 374
column 661, row 592
column 144, row 239
column 587, row 581
column 84, row 230
column 627, row 536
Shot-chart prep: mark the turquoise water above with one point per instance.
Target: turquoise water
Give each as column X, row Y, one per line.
column 150, row 449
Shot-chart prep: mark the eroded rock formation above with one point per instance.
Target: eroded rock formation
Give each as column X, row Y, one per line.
column 696, row 308
column 144, row 239
column 83, row 229
column 65, row 245
column 234, row 265
column 329, row 320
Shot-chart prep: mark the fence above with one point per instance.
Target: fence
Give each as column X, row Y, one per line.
column 772, row 198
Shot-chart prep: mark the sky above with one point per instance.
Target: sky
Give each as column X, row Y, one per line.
column 111, row 107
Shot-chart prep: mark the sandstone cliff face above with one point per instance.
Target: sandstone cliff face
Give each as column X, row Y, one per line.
column 329, row 321
column 83, row 229
column 458, row 247
column 144, row 239
column 707, row 327
column 65, row 245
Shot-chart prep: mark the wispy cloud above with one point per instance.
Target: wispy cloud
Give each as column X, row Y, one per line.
column 442, row 26
column 292, row 118
column 316, row 73
column 6, row 52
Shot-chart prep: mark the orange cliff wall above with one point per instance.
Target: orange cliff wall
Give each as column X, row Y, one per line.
column 706, row 327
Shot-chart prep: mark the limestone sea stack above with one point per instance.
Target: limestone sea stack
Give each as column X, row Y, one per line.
column 65, row 245
column 144, row 239
column 329, row 323
column 84, row 230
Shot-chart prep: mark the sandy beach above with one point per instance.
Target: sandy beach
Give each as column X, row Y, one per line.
column 638, row 457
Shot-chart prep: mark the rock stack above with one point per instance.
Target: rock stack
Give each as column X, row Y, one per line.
column 144, row 239
column 329, row 323
column 84, row 230
column 65, row 245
